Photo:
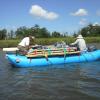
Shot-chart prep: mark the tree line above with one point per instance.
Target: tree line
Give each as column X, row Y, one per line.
column 89, row 31
column 24, row 31
column 38, row 32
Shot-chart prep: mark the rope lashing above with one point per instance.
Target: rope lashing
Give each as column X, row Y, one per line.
column 35, row 52
column 49, row 52
column 64, row 54
column 45, row 54
column 64, row 50
column 68, row 49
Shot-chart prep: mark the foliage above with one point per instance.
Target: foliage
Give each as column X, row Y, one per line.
column 92, row 39
column 3, row 34
column 47, row 41
column 8, row 43
column 39, row 41
column 90, row 30
column 55, row 34
column 35, row 31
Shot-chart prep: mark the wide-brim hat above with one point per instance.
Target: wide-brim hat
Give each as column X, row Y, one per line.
column 32, row 37
column 80, row 37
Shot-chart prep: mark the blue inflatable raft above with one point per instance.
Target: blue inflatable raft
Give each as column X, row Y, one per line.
column 24, row 61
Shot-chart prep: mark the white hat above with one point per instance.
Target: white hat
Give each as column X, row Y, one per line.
column 33, row 37
column 80, row 37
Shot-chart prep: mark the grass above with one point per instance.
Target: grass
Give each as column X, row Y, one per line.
column 92, row 39
column 47, row 41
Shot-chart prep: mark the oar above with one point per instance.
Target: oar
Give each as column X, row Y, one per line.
column 88, row 53
column 10, row 49
column 84, row 56
column 91, row 54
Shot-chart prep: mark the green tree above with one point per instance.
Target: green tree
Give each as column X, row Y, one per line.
column 55, row 34
column 39, row 32
column 22, row 32
column 44, row 33
column 36, row 30
column 90, row 30
column 3, row 34
column 11, row 34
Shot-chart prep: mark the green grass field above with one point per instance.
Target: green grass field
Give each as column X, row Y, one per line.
column 47, row 41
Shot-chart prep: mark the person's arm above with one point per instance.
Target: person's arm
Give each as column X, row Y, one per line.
column 74, row 42
column 27, row 42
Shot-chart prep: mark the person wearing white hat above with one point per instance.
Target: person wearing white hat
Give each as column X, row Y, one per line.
column 80, row 42
column 24, row 45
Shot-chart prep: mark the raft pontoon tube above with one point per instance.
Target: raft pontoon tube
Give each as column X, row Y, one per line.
column 25, row 61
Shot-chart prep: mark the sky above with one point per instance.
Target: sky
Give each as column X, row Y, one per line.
column 56, row 15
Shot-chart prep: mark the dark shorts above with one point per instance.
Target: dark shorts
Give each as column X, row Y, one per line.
column 22, row 50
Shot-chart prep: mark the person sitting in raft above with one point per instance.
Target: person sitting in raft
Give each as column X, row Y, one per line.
column 24, row 45
column 80, row 43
